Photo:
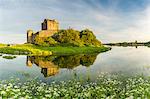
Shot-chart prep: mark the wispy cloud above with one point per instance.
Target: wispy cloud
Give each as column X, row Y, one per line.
column 111, row 20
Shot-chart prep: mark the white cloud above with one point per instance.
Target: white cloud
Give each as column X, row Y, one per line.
column 109, row 24
column 116, row 27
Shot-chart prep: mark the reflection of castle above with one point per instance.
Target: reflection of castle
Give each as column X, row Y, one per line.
column 47, row 67
column 50, row 64
column 49, row 27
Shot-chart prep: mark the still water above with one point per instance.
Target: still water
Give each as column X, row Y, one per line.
column 125, row 60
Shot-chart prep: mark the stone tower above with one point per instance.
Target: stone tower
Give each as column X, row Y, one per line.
column 29, row 36
column 51, row 25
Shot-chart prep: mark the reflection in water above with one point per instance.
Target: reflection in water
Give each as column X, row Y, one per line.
column 48, row 68
column 50, row 65
column 129, row 61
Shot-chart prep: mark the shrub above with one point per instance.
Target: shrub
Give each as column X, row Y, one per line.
column 69, row 37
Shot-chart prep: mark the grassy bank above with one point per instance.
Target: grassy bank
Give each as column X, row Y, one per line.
column 106, row 87
column 29, row 49
column 2, row 45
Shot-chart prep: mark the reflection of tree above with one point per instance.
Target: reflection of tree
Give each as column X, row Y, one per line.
column 87, row 60
column 50, row 64
column 74, row 61
column 67, row 61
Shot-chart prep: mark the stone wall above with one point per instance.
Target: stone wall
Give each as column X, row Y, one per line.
column 49, row 27
column 29, row 36
column 52, row 25
column 46, row 33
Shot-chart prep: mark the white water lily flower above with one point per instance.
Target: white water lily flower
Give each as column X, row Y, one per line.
column 3, row 92
column 48, row 95
column 16, row 87
column 22, row 98
column 131, row 97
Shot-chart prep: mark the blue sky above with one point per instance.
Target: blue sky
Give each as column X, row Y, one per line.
column 110, row 20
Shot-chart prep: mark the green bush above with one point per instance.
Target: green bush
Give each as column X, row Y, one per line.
column 69, row 37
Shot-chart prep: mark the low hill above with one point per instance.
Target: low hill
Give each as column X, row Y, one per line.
column 70, row 37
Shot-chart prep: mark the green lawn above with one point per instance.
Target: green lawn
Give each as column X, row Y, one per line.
column 40, row 50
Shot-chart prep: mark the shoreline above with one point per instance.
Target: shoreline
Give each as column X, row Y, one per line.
column 30, row 49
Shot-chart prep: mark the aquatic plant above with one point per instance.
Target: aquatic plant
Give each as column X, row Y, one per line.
column 9, row 57
column 106, row 87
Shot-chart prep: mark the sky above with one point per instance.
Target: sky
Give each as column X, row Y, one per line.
column 110, row 20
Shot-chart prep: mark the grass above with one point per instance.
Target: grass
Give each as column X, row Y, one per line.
column 9, row 57
column 2, row 45
column 26, row 49
column 75, row 50
column 105, row 87
column 23, row 49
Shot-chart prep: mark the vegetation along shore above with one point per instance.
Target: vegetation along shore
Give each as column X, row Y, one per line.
column 136, row 43
column 30, row 49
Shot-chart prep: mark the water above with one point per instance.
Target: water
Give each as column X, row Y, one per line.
column 125, row 60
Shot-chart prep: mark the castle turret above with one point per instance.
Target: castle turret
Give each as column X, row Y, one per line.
column 51, row 25
column 29, row 36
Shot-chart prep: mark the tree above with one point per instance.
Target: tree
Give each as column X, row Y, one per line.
column 88, row 38
column 49, row 41
column 70, row 37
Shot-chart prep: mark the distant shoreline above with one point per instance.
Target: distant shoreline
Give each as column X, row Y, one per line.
column 129, row 44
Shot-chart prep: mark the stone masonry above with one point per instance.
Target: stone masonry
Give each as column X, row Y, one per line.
column 48, row 28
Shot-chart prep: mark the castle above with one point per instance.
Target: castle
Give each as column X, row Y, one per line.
column 48, row 28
